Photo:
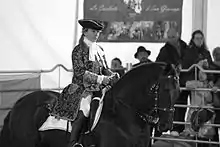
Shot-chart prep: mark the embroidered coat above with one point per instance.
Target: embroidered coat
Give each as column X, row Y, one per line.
column 84, row 81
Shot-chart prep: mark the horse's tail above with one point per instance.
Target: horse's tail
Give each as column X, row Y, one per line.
column 5, row 135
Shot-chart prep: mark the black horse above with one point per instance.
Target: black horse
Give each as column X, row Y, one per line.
column 144, row 95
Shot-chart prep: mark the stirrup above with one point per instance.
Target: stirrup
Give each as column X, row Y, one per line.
column 77, row 145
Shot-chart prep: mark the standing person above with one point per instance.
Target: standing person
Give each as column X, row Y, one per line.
column 81, row 98
column 173, row 52
column 174, row 49
column 198, row 50
column 142, row 55
column 196, row 53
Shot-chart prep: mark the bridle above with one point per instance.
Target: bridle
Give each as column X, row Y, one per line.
column 152, row 117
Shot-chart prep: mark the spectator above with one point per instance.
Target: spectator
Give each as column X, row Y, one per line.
column 201, row 99
column 142, row 55
column 172, row 52
column 196, row 52
column 216, row 96
column 116, row 66
column 174, row 49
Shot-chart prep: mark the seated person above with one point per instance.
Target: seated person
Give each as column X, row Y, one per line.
column 201, row 99
column 116, row 66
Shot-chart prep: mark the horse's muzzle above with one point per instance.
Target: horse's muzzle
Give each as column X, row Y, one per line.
column 164, row 127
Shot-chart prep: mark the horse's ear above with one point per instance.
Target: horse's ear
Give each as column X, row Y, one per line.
column 168, row 68
column 173, row 69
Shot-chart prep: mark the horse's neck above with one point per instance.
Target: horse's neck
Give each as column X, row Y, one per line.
column 122, row 116
column 120, row 101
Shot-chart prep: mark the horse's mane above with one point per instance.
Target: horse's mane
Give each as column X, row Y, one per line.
column 139, row 70
column 134, row 76
column 144, row 72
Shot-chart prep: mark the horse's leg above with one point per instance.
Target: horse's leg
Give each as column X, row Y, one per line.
column 110, row 136
column 144, row 138
column 5, row 133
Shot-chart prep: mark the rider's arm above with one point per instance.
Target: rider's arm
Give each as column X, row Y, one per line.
column 106, row 70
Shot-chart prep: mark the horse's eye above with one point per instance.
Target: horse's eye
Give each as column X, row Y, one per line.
column 176, row 78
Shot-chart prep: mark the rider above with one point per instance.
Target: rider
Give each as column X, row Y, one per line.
column 91, row 75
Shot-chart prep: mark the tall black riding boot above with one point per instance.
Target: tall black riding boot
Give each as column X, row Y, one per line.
column 76, row 129
column 93, row 108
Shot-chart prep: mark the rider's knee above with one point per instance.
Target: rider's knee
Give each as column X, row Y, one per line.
column 85, row 105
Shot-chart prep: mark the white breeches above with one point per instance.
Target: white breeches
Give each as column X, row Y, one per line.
column 85, row 104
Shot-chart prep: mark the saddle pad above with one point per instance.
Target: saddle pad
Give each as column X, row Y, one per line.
column 61, row 124
column 54, row 123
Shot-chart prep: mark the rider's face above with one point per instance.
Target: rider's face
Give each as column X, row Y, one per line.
column 92, row 34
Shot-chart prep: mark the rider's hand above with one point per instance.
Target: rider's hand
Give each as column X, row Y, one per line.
column 105, row 80
column 116, row 75
column 108, row 87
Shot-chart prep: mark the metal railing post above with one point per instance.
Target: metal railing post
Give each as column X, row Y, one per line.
column 59, row 78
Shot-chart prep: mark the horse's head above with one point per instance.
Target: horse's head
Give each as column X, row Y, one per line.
column 150, row 90
column 165, row 97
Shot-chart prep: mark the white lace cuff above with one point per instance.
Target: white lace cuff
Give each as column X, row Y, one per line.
column 100, row 79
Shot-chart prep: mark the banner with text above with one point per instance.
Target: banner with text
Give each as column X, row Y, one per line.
column 135, row 20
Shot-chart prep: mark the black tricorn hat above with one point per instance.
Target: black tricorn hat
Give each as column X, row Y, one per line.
column 91, row 24
column 142, row 49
